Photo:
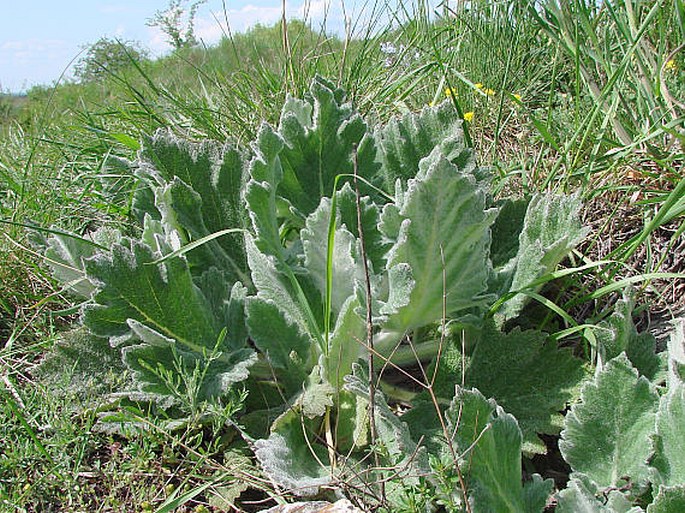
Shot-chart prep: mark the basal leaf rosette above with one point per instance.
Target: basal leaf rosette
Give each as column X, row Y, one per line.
column 253, row 268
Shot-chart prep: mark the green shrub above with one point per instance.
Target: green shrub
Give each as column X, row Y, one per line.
column 107, row 57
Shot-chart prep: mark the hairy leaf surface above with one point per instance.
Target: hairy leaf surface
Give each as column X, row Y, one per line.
column 197, row 189
column 265, row 173
column 528, row 376
column 346, row 344
column 161, row 296
column 615, row 418
column 65, row 255
column 277, row 283
column 582, row 497
column 618, row 334
column 375, row 244
column 489, row 440
column 676, row 353
column 506, row 231
column 291, row 457
column 160, row 306
column 323, row 138
column 668, row 500
column 445, row 228
column 551, row 229
column 403, row 142
column 525, row 373
column 346, row 268
column 669, row 459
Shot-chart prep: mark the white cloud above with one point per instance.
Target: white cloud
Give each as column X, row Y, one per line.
column 319, row 10
column 209, row 28
column 33, row 61
column 157, row 41
column 33, row 51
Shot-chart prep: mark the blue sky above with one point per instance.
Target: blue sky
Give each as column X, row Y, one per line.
column 40, row 38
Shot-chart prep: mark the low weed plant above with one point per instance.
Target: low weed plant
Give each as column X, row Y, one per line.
column 420, row 283
column 265, row 269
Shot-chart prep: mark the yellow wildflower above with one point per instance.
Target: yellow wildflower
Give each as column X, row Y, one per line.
column 480, row 87
column 468, row 116
column 449, row 92
column 517, row 96
column 670, row 65
column 431, row 104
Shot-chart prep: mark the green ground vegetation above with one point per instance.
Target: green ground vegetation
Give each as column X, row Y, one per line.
column 556, row 97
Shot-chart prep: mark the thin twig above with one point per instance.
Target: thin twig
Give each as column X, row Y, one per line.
column 369, row 320
column 431, row 392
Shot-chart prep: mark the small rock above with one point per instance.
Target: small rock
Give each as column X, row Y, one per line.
column 341, row 506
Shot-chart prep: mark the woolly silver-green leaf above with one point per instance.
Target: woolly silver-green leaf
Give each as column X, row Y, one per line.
column 606, row 436
column 488, row 440
column 292, row 458
column 345, row 264
column 668, row 500
column 669, row 459
column 196, row 188
column 445, row 231
column 169, row 323
column 618, row 334
column 551, row 229
column 580, row 496
column 403, row 142
column 529, row 376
